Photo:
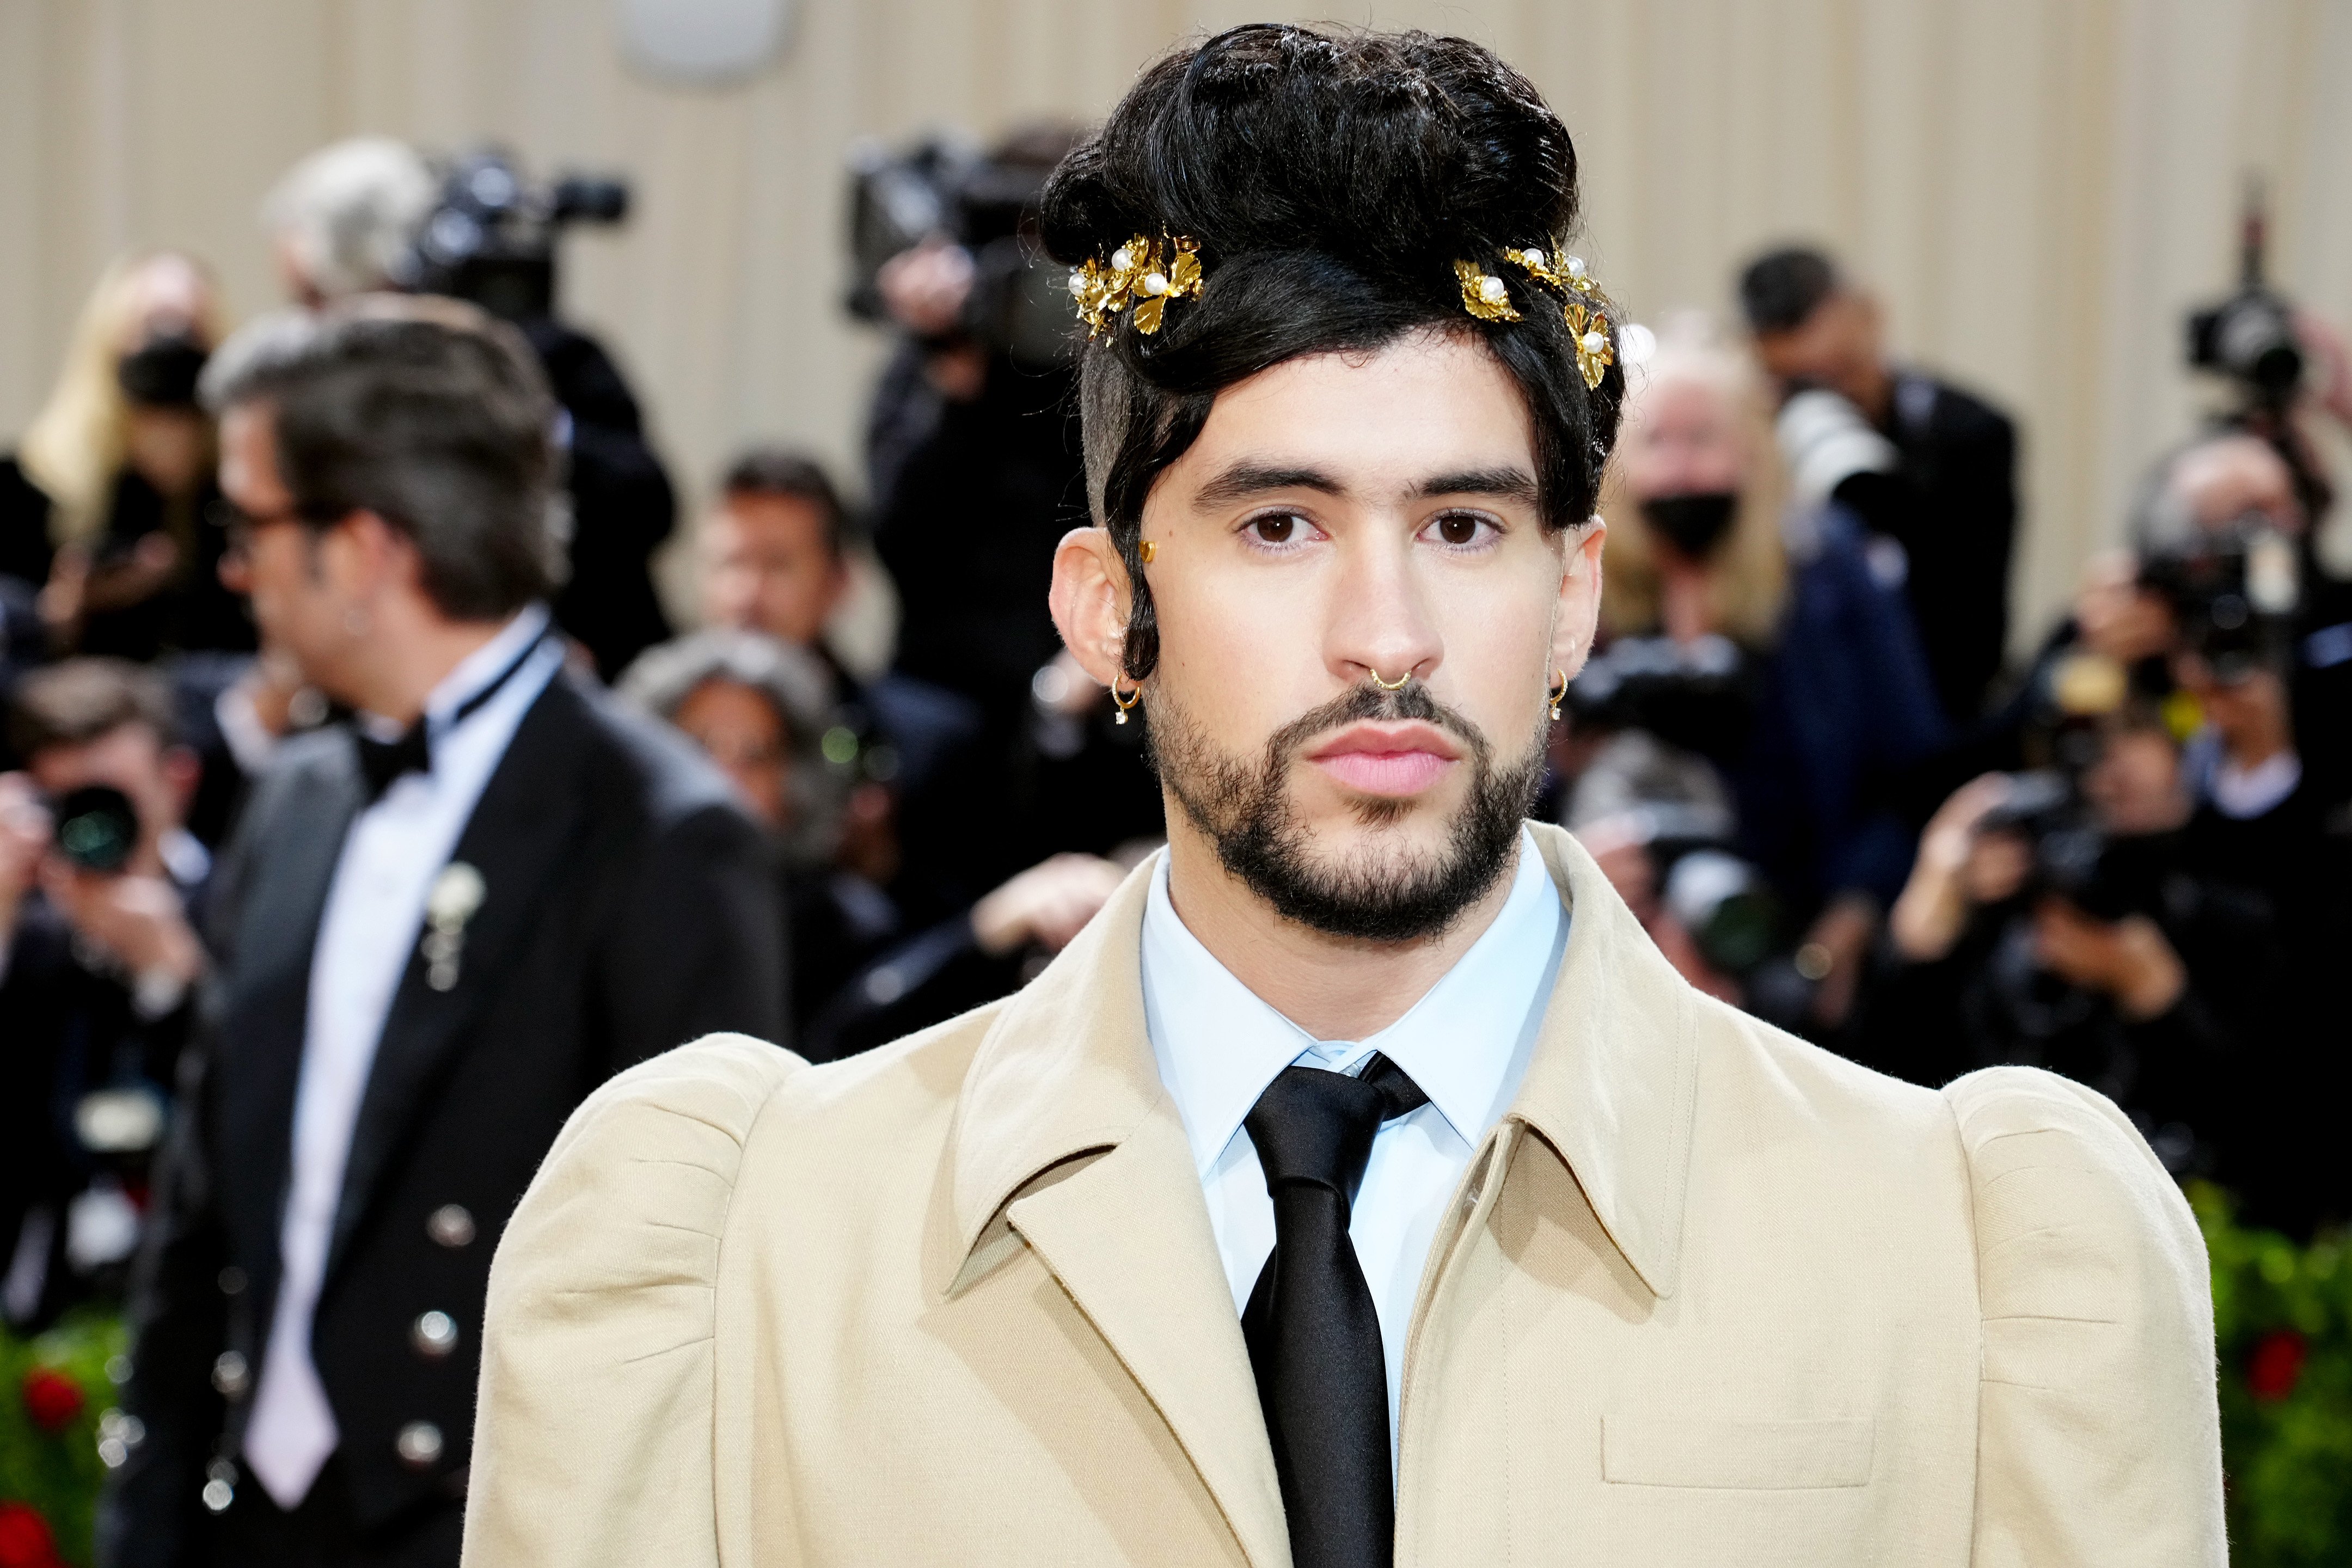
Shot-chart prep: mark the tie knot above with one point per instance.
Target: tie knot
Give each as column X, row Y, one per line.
column 1317, row 1126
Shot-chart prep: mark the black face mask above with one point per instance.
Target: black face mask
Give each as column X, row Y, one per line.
column 1693, row 524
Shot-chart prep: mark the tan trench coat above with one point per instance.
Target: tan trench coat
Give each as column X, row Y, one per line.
column 1709, row 1295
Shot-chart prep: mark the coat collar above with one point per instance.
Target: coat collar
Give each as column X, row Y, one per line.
column 1066, row 1069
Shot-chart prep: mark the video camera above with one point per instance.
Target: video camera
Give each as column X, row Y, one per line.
column 492, row 238
column 944, row 188
column 2250, row 337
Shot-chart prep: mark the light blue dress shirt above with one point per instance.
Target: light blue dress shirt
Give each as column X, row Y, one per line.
column 1466, row 1043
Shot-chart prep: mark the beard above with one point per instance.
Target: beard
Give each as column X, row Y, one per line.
column 1245, row 809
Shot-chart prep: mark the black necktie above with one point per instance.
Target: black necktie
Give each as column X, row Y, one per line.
column 382, row 762
column 1314, row 1337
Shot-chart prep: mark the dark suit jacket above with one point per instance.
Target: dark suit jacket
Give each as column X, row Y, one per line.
column 1960, row 455
column 628, row 910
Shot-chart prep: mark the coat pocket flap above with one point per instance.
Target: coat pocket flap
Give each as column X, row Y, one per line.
column 1679, row 1451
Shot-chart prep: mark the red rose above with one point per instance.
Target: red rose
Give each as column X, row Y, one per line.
column 25, row 1539
column 52, row 1399
column 2276, row 1364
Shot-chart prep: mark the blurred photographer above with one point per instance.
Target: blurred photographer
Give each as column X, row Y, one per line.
column 369, row 214
column 1757, row 675
column 109, row 506
column 862, row 972
column 100, row 885
column 1929, row 470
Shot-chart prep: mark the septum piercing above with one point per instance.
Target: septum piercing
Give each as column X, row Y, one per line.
column 1396, row 685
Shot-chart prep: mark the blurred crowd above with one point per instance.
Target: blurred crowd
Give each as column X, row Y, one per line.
column 1801, row 751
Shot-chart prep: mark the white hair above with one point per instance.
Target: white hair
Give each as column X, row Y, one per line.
column 349, row 211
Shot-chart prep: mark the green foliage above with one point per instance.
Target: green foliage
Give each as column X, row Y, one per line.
column 2282, row 1318
column 57, row 1472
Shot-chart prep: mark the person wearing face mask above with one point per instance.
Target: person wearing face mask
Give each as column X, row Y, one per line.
column 1754, row 636
column 109, row 502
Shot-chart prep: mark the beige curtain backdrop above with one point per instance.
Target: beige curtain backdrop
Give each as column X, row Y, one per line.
column 2039, row 189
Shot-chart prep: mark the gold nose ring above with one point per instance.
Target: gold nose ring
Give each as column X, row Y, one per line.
column 1396, row 685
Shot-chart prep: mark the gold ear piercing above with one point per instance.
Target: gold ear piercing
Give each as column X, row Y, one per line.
column 1559, row 692
column 1150, row 549
column 1396, row 685
column 1124, row 704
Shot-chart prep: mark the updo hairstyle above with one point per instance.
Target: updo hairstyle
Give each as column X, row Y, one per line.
column 1331, row 181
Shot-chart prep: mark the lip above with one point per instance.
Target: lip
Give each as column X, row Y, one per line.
column 1390, row 760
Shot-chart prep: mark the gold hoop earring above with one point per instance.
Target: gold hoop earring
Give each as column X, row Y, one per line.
column 1396, row 685
column 1560, row 692
column 1125, row 704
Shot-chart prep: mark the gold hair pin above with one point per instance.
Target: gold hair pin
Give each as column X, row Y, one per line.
column 1486, row 297
column 1138, row 273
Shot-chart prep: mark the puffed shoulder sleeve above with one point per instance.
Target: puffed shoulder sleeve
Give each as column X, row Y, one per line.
column 2098, row 1438
column 592, row 1439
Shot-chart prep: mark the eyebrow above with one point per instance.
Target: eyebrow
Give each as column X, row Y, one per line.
column 1508, row 483
column 1245, row 479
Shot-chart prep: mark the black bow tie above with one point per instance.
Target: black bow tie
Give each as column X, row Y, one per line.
column 382, row 761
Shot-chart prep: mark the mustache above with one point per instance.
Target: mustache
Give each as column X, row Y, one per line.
column 1414, row 703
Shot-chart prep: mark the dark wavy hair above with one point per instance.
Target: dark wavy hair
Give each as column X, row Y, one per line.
column 1331, row 179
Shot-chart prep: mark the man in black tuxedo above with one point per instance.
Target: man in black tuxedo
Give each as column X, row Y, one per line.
column 434, row 933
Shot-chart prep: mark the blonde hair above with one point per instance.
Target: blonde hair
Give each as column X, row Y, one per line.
column 75, row 446
column 1747, row 578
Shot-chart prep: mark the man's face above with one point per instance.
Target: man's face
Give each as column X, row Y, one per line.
column 302, row 601
column 1344, row 523
column 767, row 567
column 1838, row 346
column 133, row 758
column 738, row 729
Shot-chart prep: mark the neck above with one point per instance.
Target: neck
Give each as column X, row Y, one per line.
column 1686, row 609
column 1335, row 988
column 409, row 652
column 1874, row 392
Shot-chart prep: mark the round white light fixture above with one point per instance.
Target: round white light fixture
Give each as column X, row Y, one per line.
column 702, row 43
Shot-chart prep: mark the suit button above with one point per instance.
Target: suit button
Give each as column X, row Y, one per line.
column 419, row 1444
column 220, row 1486
column 232, row 1280
column 450, row 1225
column 435, row 1335
column 230, row 1375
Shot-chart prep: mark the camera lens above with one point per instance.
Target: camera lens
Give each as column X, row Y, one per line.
column 97, row 827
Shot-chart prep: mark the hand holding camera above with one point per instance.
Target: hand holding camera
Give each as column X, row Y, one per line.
column 79, row 848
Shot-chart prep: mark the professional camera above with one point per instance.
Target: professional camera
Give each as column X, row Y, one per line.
column 944, row 188
column 96, row 828
column 2250, row 337
column 492, row 238
column 2235, row 591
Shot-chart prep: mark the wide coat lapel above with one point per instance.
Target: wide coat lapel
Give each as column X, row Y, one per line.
column 272, row 894
column 528, row 822
column 1066, row 1075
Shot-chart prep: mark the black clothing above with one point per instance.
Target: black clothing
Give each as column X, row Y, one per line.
column 24, row 548
column 622, row 504
column 1952, row 505
column 973, row 515
column 1313, row 1333
column 627, row 911
column 69, row 1028
column 322, row 1532
column 193, row 610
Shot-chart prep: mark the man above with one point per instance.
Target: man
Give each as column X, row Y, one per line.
column 435, row 933
column 1946, row 492
column 99, row 875
column 1361, row 1185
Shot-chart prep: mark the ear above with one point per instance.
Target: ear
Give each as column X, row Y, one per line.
column 183, row 772
column 1580, row 596
column 1091, row 601
column 366, row 557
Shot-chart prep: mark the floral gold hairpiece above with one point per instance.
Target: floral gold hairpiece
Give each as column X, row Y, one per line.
column 1138, row 273
column 1484, row 296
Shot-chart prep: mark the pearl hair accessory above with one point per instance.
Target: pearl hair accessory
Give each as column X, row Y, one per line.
column 1145, row 273
column 1484, row 297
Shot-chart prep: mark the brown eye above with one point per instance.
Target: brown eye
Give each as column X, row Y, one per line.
column 1276, row 528
column 1458, row 529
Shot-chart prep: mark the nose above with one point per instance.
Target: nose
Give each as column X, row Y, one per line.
column 1380, row 627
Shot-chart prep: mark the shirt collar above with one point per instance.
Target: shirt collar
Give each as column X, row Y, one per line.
column 1466, row 1042
column 485, row 664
